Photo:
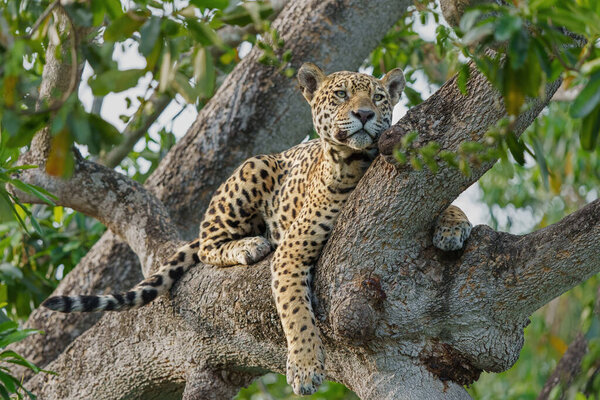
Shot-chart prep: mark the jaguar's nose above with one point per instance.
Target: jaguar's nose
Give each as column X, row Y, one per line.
column 363, row 115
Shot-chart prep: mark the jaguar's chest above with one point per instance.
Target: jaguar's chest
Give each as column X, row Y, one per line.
column 308, row 181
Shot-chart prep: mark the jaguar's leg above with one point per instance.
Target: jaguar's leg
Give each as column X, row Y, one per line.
column 452, row 228
column 290, row 269
column 228, row 233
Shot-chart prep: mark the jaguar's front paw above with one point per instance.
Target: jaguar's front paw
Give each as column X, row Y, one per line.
column 452, row 229
column 306, row 368
column 253, row 249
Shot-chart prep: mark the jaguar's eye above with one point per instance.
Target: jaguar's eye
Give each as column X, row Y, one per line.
column 341, row 94
column 378, row 97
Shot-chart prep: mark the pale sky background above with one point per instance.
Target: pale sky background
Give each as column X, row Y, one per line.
column 115, row 105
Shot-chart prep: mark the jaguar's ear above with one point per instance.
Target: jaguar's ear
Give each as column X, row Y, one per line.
column 394, row 82
column 310, row 78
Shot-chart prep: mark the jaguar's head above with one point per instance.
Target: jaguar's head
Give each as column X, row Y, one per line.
column 350, row 108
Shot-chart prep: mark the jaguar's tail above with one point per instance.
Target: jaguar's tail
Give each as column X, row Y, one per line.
column 142, row 294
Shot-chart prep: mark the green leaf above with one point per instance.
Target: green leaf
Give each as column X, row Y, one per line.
column 542, row 57
column 16, row 336
column 4, row 393
column 182, row 85
column 590, row 128
column 109, row 135
column 8, row 325
column 469, row 19
column 513, row 91
column 531, row 75
column 9, row 382
column 413, row 96
column 541, row 160
column 6, row 207
column 506, row 25
column 204, row 72
column 464, row 167
column 123, row 27
column 450, row 158
column 80, row 131
column 588, row 99
column 113, row 8
column 11, row 123
column 463, row 77
column 407, row 140
column 14, row 358
column 516, row 147
column 240, row 16
column 416, row 163
column 518, row 49
column 400, row 156
column 202, row 4
column 99, row 56
column 478, row 33
column 36, row 191
column 203, row 33
column 170, row 28
column 148, row 35
column 80, row 14
column 98, row 10
column 115, row 81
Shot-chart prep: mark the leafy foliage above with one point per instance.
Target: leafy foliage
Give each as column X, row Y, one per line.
column 10, row 386
column 531, row 48
column 179, row 44
column 10, row 206
column 31, row 265
column 274, row 387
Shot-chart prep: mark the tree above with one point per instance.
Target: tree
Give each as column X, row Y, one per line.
column 399, row 319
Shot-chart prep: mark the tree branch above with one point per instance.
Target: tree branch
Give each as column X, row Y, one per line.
column 391, row 308
column 245, row 117
column 399, row 318
column 231, row 36
column 223, row 319
column 120, row 203
column 567, row 368
column 136, row 129
column 533, row 269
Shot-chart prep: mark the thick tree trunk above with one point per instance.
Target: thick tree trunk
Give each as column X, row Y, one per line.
column 255, row 111
column 400, row 319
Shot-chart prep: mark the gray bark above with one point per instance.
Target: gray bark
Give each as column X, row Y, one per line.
column 254, row 111
column 400, row 319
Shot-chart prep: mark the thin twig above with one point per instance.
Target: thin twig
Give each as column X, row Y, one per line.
column 73, row 77
column 41, row 18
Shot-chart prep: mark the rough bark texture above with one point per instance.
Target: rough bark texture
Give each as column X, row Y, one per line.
column 400, row 319
column 255, row 111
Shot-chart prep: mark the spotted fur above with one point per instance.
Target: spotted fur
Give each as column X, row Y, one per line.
column 142, row 294
column 288, row 202
column 452, row 229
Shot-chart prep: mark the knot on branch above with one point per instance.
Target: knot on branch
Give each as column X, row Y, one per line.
column 206, row 384
column 448, row 364
column 356, row 315
column 389, row 140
